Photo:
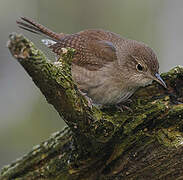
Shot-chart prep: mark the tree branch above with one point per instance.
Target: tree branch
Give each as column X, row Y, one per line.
column 102, row 144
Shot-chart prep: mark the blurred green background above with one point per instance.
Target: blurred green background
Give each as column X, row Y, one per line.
column 26, row 119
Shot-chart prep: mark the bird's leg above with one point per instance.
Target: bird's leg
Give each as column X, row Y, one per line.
column 89, row 100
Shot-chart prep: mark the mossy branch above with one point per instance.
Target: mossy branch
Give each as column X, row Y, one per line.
column 102, row 144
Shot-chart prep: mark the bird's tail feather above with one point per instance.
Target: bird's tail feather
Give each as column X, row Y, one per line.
column 30, row 25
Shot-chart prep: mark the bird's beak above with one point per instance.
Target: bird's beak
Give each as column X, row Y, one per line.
column 160, row 80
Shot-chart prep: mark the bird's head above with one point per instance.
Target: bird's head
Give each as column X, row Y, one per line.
column 142, row 65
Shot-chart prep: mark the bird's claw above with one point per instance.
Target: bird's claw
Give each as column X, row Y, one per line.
column 122, row 107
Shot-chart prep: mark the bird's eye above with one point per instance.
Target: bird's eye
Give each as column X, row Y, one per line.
column 139, row 67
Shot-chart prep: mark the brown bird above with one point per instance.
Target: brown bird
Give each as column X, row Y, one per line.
column 106, row 67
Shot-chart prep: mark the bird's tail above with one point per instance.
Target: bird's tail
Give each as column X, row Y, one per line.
column 30, row 25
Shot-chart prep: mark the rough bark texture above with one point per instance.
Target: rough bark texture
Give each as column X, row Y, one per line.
column 102, row 144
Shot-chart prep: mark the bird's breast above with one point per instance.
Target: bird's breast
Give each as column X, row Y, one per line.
column 102, row 86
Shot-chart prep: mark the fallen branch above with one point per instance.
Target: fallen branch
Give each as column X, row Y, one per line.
column 102, row 144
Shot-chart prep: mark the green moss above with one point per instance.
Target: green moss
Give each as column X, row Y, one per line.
column 170, row 137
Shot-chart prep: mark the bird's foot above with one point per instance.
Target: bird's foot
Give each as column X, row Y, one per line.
column 123, row 107
column 89, row 100
column 128, row 101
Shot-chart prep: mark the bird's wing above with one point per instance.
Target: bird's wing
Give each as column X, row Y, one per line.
column 92, row 51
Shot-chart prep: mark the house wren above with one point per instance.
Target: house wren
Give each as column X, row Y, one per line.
column 106, row 67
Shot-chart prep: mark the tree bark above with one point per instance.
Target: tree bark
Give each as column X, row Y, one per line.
column 146, row 143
